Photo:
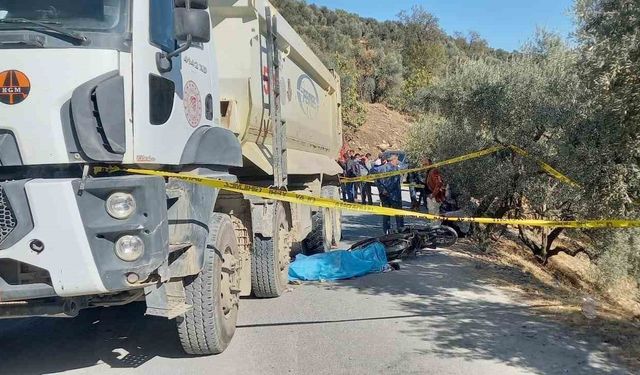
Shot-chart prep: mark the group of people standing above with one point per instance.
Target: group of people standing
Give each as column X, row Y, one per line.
column 426, row 186
column 356, row 165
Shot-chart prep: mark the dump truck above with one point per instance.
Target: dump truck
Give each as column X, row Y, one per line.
column 222, row 89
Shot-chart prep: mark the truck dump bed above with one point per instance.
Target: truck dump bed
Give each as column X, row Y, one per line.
column 310, row 91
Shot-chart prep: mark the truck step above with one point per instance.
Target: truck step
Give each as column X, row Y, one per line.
column 166, row 300
column 173, row 310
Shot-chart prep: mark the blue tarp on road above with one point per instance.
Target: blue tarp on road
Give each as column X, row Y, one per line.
column 339, row 265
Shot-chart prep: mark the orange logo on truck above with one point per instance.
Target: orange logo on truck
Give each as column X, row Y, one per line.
column 14, row 87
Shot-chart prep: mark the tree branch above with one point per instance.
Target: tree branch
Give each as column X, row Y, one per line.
column 537, row 250
column 555, row 233
column 571, row 252
column 539, row 134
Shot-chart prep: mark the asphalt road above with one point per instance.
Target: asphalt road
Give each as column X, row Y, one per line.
column 434, row 316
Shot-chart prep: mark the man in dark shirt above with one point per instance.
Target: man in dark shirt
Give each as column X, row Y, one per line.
column 352, row 168
column 390, row 191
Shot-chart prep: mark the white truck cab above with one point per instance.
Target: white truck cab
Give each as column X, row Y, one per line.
column 139, row 83
column 81, row 87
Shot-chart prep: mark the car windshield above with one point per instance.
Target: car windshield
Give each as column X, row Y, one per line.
column 86, row 15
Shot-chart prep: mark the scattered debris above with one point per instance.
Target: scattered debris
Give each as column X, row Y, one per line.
column 589, row 308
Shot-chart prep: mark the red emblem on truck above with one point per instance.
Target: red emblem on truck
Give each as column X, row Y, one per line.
column 192, row 104
column 14, row 87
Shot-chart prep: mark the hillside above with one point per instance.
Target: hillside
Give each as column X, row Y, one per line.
column 383, row 129
column 382, row 61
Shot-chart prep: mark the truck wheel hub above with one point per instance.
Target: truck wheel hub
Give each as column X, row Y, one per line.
column 229, row 282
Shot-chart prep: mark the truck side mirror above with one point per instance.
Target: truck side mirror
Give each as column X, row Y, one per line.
column 192, row 24
column 193, row 4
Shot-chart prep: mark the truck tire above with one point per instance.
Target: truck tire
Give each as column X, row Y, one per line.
column 213, row 294
column 326, row 229
column 319, row 240
column 270, row 259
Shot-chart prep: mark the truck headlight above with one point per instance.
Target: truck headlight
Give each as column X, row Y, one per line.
column 121, row 205
column 129, row 248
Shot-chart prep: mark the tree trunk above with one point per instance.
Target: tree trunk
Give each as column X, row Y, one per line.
column 531, row 244
column 544, row 251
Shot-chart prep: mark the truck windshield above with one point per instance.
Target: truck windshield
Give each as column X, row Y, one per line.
column 85, row 15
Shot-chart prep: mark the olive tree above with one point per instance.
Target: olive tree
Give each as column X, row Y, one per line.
column 609, row 44
column 530, row 101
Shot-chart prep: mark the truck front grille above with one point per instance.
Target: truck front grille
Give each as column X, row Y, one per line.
column 8, row 220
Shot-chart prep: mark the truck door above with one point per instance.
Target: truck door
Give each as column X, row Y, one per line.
column 169, row 104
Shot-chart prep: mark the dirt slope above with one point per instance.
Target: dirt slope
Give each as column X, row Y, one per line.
column 384, row 129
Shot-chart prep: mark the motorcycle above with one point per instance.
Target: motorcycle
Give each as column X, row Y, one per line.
column 413, row 239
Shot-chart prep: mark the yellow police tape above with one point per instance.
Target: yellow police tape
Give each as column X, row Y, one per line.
column 296, row 198
column 546, row 167
column 474, row 155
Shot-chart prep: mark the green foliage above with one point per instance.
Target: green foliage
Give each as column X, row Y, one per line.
column 415, row 81
column 423, row 41
column 384, row 62
column 530, row 101
column 620, row 256
column 609, row 37
column 578, row 109
column 353, row 111
column 610, row 59
column 610, row 47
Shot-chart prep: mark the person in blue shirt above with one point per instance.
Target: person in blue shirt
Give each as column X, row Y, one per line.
column 390, row 191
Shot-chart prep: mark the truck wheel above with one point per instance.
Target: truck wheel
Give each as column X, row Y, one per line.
column 213, row 294
column 319, row 240
column 271, row 258
column 326, row 229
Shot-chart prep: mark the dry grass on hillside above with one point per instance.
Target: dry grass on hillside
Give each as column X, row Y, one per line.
column 384, row 129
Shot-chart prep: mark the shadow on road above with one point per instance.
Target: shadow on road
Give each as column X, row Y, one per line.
column 359, row 227
column 468, row 318
column 442, row 299
column 121, row 337
column 371, row 319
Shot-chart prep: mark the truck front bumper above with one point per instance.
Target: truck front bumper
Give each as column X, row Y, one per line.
column 65, row 230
